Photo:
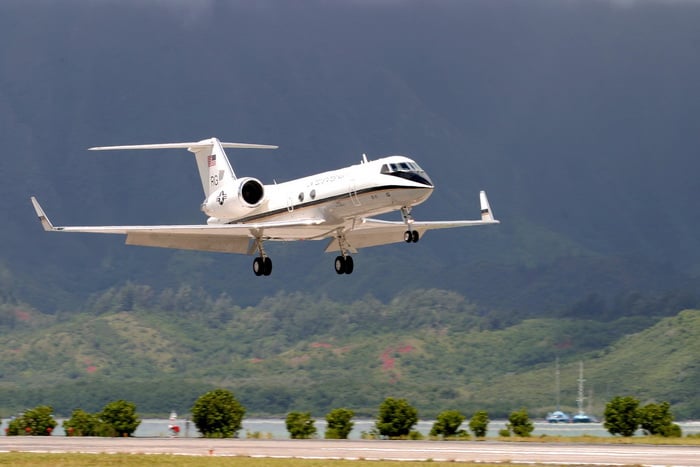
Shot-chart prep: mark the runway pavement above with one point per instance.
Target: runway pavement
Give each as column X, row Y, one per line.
column 486, row 451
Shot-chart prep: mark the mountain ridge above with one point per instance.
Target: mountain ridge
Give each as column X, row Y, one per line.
column 298, row 352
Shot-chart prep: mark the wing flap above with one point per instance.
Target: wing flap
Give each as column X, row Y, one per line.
column 204, row 242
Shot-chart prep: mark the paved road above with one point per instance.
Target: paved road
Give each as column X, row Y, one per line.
column 487, row 451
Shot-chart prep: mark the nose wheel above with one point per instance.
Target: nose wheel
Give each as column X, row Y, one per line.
column 411, row 236
column 344, row 265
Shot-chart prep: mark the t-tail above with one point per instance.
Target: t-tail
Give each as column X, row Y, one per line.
column 214, row 167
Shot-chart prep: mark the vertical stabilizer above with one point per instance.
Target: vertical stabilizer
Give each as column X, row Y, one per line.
column 213, row 165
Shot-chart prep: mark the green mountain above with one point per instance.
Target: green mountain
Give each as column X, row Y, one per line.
column 300, row 352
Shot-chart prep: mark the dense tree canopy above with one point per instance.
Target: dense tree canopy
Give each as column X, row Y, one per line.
column 519, row 423
column 622, row 416
column 38, row 421
column 300, row 425
column 396, row 418
column 339, row 423
column 120, row 418
column 82, row 423
column 479, row 423
column 447, row 424
column 218, row 414
column 656, row 419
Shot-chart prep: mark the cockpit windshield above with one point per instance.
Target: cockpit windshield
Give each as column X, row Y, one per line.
column 408, row 170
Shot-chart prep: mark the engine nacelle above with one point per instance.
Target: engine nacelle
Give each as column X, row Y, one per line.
column 236, row 199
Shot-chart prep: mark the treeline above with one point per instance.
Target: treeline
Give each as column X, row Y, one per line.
column 218, row 414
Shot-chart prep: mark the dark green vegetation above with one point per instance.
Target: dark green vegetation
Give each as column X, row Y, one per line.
column 447, row 424
column 396, row 418
column 579, row 118
column 300, row 425
column 339, row 423
column 38, row 421
column 117, row 418
column 218, row 414
column 519, row 423
column 310, row 353
column 624, row 415
column 479, row 423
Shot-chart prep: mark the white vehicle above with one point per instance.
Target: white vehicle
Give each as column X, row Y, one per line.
column 336, row 205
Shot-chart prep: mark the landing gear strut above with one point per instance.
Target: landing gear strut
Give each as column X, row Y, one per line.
column 262, row 265
column 409, row 236
column 343, row 263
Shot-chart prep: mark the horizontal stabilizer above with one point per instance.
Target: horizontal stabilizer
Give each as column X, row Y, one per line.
column 192, row 145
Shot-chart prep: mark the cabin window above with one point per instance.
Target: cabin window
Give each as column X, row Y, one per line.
column 312, row 194
column 301, row 197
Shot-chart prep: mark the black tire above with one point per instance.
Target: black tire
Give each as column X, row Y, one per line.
column 415, row 236
column 340, row 264
column 258, row 266
column 407, row 236
column 349, row 265
column 267, row 266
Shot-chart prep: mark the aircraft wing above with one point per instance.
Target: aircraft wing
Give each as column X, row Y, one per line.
column 373, row 232
column 227, row 238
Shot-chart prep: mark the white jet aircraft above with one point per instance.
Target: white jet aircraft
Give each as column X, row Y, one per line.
column 244, row 213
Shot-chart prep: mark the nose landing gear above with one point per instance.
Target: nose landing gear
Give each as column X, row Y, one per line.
column 409, row 236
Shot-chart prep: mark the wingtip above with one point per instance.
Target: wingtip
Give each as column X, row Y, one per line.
column 486, row 213
column 45, row 222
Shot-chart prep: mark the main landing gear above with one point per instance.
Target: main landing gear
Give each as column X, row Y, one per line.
column 344, row 264
column 262, row 265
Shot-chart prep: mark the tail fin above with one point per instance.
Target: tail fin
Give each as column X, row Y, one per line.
column 212, row 163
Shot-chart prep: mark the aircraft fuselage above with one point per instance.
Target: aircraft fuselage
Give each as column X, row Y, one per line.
column 366, row 189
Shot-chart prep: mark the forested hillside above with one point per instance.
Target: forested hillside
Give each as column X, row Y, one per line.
column 303, row 352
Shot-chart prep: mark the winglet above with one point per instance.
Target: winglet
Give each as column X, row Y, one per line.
column 45, row 222
column 486, row 213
